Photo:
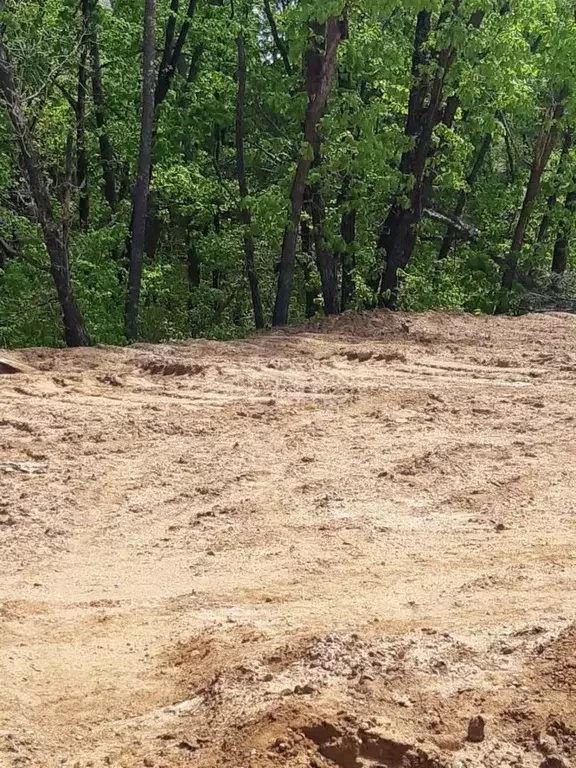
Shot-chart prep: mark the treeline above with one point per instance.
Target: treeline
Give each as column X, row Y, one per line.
column 174, row 168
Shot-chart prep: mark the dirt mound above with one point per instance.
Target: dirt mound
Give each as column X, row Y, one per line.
column 556, row 665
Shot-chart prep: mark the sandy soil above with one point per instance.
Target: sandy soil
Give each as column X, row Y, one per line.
column 331, row 547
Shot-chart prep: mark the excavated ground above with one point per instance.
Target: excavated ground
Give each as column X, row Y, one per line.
column 328, row 547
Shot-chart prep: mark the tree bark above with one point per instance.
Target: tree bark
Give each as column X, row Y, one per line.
column 172, row 51
column 325, row 258
column 397, row 218
column 81, row 155
column 140, row 204
column 106, row 152
column 245, row 215
column 398, row 236
column 280, row 45
column 310, row 293
column 74, row 331
column 544, row 227
column 562, row 245
column 335, row 31
column 542, row 152
column 348, row 233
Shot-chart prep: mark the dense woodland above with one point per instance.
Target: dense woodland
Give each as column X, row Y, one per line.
column 176, row 168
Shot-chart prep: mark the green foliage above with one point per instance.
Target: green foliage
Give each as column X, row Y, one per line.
column 506, row 74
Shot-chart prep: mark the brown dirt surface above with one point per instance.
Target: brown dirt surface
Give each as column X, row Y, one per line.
column 349, row 545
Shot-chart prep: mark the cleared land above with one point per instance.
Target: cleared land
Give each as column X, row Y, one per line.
column 330, row 547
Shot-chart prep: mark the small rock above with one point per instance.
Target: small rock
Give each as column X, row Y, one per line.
column 500, row 527
column 149, row 762
column 303, row 690
column 476, row 729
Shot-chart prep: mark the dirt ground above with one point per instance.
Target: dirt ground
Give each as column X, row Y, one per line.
column 330, row 547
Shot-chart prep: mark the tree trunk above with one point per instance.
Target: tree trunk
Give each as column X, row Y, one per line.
column 74, row 331
column 172, row 51
column 462, row 195
column 396, row 222
column 562, row 245
column 325, row 259
column 280, row 45
column 106, row 151
column 140, row 204
column 81, row 155
column 348, row 233
column 245, row 215
column 306, row 238
column 542, row 151
column 398, row 236
column 335, row 31
column 544, row 227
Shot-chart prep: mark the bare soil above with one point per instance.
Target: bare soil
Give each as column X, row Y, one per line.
column 331, row 547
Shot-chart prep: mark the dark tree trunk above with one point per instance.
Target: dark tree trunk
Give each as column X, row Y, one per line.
column 544, row 227
column 193, row 262
column 140, row 204
column 335, row 30
column 67, row 191
column 562, row 245
column 325, row 259
column 280, row 45
column 74, row 332
column 542, row 151
column 462, row 195
column 398, row 236
column 81, row 155
column 106, row 152
column 348, row 233
column 306, row 238
column 245, row 215
column 398, row 218
column 172, row 50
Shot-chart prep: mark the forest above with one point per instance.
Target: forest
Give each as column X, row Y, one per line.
column 200, row 168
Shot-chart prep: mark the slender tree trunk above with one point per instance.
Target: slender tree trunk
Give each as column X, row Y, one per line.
column 172, row 51
column 562, row 245
column 306, row 238
column 463, row 194
column 348, row 234
column 81, row 155
column 89, row 11
column 74, row 331
column 544, row 227
column 335, row 30
column 67, row 191
column 245, row 215
column 280, row 45
column 140, row 205
column 542, row 152
column 325, row 258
